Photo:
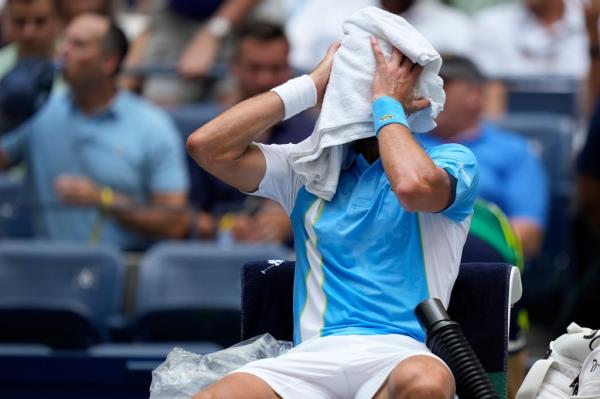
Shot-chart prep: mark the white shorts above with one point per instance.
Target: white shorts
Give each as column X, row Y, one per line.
column 339, row 366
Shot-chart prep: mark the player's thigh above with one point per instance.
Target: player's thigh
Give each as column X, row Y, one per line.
column 238, row 386
column 420, row 373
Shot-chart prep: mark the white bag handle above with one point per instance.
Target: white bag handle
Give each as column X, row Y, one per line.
column 533, row 381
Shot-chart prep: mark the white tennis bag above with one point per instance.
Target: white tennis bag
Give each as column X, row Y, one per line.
column 571, row 371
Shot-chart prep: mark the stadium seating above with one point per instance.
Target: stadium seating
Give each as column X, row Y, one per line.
column 60, row 294
column 15, row 209
column 552, row 136
column 549, row 94
column 191, row 291
column 480, row 302
column 190, row 117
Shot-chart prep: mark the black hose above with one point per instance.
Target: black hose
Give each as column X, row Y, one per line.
column 446, row 340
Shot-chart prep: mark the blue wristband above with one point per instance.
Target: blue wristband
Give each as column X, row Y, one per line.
column 387, row 110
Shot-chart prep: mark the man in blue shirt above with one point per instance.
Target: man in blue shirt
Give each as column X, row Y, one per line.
column 391, row 236
column 512, row 176
column 104, row 165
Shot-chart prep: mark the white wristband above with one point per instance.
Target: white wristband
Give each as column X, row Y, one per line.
column 297, row 94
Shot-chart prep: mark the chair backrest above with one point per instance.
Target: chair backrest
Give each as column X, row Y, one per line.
column 16, row 212
column 552, row 135
column 190, row 117
column 72, row 290
column 550, row 94
column 480, row 302
column 193, row 274
column 190, row 291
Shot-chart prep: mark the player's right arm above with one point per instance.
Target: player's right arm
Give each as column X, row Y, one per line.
column 224, row 146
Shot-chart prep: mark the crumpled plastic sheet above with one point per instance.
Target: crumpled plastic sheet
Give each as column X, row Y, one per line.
column 183, row 373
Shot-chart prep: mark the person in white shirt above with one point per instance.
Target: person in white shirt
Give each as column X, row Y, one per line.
column 532, row 38
column 313, row 25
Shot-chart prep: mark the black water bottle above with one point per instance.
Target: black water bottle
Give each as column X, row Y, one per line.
column 446, row 340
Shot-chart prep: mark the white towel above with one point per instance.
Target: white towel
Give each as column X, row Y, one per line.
column 346, row 113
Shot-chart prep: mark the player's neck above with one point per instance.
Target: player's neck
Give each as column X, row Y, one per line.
column 369, row 148
column 95, row 99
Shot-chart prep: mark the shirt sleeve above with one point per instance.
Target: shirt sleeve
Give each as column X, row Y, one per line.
column 168, row 169
column 526, row 188
column 460, row 163
column 280, row 183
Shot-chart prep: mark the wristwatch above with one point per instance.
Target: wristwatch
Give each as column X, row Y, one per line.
column 219, row 26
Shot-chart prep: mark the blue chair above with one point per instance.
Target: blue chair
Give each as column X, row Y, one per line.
column 552, row 136
column 548, row 94
column 191, row 291
column 64, row 295
column 190, row 117
column 481, row 300
column 16, row 210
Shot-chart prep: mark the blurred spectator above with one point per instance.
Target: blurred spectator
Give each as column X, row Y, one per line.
column 4, row 32
column 448, row 30
column 315, row 24
column 34, row 26
column 532, row 38
column 586, row 226
column 511, row 175
column 103, row 164
column 190, row 34
column 592, row 20
column 259, row 63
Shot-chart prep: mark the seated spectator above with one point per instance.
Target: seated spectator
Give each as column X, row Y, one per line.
column 511, row 174
column 529, row 38
column 189, row 34
column 447, row 29
column 104, row 165
column 532, row 38
column 34, row 26
column 592, row 22
column 259, row 63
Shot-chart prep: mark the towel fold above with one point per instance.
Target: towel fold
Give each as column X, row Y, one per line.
column 346, row 112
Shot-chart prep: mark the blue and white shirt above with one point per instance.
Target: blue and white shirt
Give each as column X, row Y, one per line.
column 363, row 263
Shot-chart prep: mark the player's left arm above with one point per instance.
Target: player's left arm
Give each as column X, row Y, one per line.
column 418, row 183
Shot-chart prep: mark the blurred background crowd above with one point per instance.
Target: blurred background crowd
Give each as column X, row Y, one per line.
column 97, row 98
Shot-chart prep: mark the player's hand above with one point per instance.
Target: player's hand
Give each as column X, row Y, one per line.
column 396, row 78
column 321, row 73
column 77, row 190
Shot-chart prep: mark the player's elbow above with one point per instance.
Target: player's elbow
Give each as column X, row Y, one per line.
column 415, row 194
column 410, row 194
column 209, row 150
column 199, row 146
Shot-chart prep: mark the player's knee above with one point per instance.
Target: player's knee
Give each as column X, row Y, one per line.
column 421, row 388
column 419, row 383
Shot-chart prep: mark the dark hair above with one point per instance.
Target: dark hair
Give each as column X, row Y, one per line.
column 115, row 41
column 458, row 67
column 260, row 31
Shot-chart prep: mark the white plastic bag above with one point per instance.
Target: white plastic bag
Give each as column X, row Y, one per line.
column 183, row 373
